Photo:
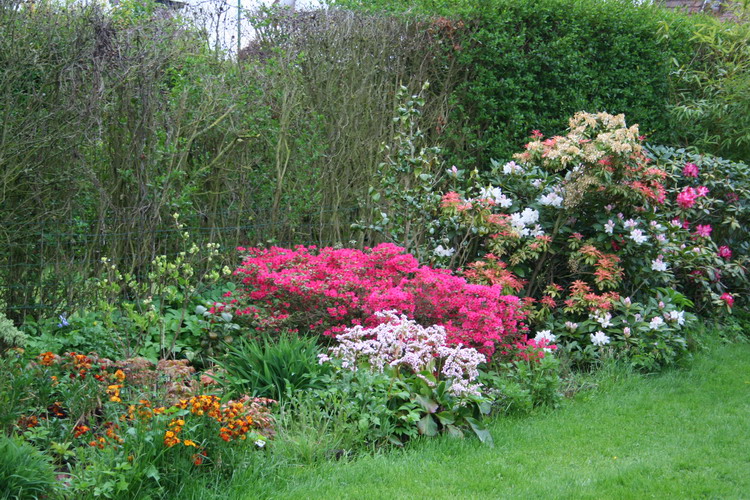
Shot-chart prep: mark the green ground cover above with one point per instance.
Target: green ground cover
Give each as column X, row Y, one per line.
column 682, row 434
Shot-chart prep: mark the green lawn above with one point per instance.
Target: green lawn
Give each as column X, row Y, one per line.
column 684, row 434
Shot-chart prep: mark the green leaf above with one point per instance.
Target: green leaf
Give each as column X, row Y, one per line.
column 481, row 431
column 454, row 431
column 153, row 473
column 427, row 426
column 445, row 418
column 428, row 404
column 395, row 441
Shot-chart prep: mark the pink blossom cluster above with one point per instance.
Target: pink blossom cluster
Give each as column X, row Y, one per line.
column 725, row 252
column 727, row 298
column 327, row 290
column 403, row 343
column 690, row 170
column 686, row 198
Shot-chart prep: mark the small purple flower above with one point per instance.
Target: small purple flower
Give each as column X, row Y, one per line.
column 63, row 321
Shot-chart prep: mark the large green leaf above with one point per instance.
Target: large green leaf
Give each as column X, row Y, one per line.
column 427, row 426
column 481, row 431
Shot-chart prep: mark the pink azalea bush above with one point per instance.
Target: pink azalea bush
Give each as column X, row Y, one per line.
column 325, row 291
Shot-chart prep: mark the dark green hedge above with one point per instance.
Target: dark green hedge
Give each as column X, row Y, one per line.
column 531, row 64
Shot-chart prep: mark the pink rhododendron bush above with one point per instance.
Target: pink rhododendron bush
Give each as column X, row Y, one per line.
column 324, row 291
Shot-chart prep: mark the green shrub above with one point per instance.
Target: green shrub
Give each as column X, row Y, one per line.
column 522, row 385
column 271, row 368
column 530, row 64
column 711, row 106
column 24, row 472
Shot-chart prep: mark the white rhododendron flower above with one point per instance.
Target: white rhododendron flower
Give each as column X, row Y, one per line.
column 678, row 316
column 638, row 236
column 496, row 195
column 512, row 168
column 655, row 323
column 551, row 200
column 609, row 227
column 545, row 335
column 443, row 252
column 599, row 338
column 604, row 319
column 658, row 265
column 520, row 221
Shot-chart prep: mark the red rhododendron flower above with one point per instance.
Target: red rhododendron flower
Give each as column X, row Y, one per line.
column 727, row 297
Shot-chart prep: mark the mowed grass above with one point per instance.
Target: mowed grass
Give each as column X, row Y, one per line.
column 682, row 434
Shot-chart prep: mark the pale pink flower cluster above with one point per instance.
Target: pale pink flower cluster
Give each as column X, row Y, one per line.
column 401, row 342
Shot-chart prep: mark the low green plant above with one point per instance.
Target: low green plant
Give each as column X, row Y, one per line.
column 520, row 386
column 271, row 368
column 25, row 473
column 80, row 331
column 348, row 414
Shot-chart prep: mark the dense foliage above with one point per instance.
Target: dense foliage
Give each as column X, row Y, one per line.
column 380, row 292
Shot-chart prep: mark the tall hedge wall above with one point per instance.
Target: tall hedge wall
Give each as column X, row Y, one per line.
column 531, row 64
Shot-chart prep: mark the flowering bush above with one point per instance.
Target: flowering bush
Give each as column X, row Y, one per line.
column 433, row 385
column 402, row 343
column 108, row 423
column 585, row 219
column 718, row 219
column 326, row 291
